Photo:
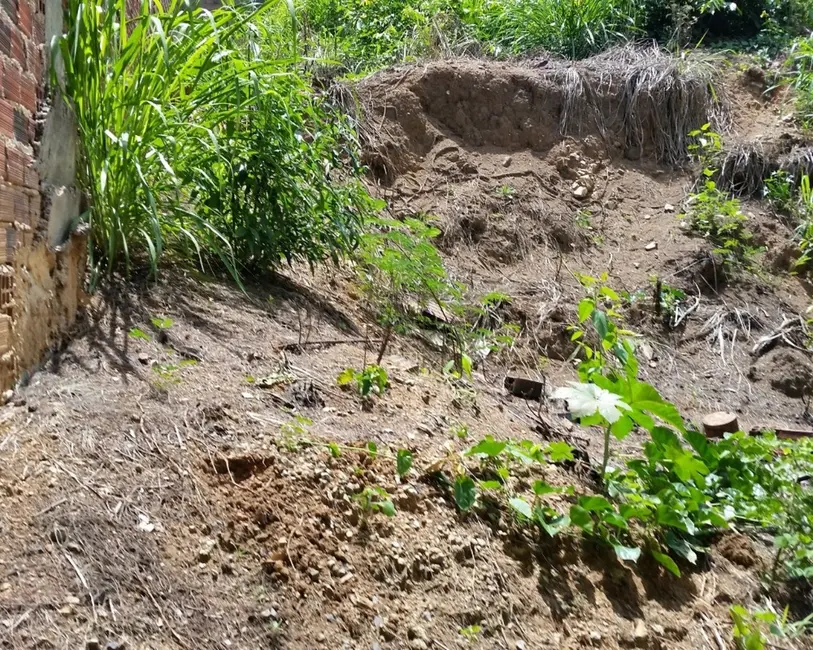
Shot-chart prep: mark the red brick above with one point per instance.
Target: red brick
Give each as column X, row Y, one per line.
column 11, row 83
column 32, row 181
column 39, row 27
column 16, row 164
column 28, row 93
column 13, row 204
column 17, row 51
column 8, row 240
column 33, row 60
column 6, row 119
column 24, row 16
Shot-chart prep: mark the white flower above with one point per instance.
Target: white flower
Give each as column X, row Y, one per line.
column 584, row 400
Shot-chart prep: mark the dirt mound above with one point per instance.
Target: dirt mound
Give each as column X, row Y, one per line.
column 642, row 103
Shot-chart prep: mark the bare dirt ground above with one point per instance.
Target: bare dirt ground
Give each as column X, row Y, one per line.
column 150, row 502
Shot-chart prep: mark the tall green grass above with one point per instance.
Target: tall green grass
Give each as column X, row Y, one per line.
column 800, row 63
column 574, row 29
column 193, row 141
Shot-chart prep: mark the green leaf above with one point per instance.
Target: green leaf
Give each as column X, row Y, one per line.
column 347, row 376
column 627, row 553
column 387, row 507
column 586, row 307
column 490, row 485
column 487, row 447
column 372, row 449
column 334, row 449
column 580, row 518
column 681, row 547
column 609, row 293
column 552, row 526
column 595, row 503
column 559, row 451
column 522, row 507
column 622, row 427
column 600, row 323
column 465, row 493
column 541, row 488
column 403, row 461
column 137, row 333
column 667, row 562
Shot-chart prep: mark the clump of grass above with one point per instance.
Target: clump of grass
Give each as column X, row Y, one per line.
column 193, row 141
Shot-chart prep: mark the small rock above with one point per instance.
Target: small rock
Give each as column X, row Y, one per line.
column 506, row 161
column 416, row 632
column 651, row 246
column 5, row 586
column 5, row 398
column 207, row 545
column 669, row 208
column 595, row 637
column 144, row 358
column 67, row 610
column 641, row 634
column 72, row 600
column 520, row 644
column 418, row 644
column 115, row 645
column 581, row 192
column 93, row 644
column 647, row 217
column 269, row 613
column 320, row 637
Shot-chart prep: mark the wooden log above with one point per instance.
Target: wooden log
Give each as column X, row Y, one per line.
column 529, row 389
column 716, row 424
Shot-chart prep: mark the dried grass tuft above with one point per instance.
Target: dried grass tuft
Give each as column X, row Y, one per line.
column 665, row 98
column 743, row 169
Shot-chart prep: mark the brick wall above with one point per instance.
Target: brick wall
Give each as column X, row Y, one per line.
column 22, row 34
column 40, row 280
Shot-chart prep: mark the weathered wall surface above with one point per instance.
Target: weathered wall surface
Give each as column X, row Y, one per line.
column 41, row 262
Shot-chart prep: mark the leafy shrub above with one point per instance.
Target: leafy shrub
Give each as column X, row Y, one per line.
column 191, row 141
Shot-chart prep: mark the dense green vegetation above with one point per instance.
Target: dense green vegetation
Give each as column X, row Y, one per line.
column 194, row 140
column 361, row 35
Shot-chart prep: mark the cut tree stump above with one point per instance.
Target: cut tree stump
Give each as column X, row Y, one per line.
column 716, row 424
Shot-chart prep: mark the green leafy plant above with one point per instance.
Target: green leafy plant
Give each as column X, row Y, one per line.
column 717, row 217
column 470, row 633
column 373, row 380
column 778, row 189
column 375, row 499
column 404, row 280
column 294, row 433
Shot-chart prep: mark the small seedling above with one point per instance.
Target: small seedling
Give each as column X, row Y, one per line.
column 505, row 192
column 294, row 433
column 403, row 462
column 138, row 333
column 470, row 633
column 372, row 380
column 459, row 430
column 162, row 323
column 375, row 499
